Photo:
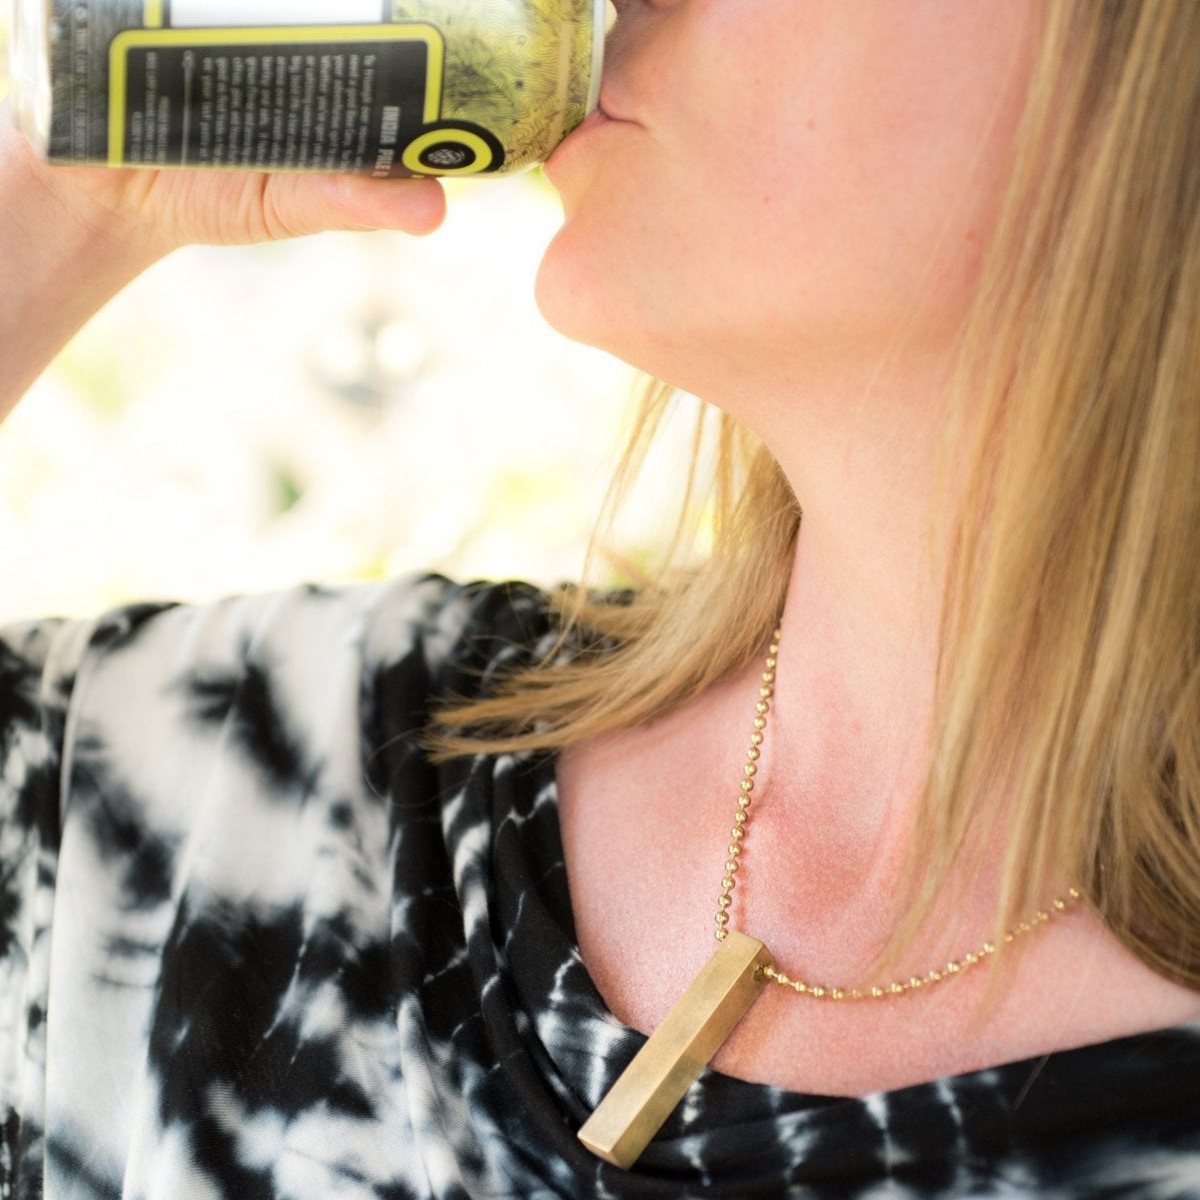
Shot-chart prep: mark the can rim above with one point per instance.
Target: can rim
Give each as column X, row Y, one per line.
column 599, row 32
column 29, row 69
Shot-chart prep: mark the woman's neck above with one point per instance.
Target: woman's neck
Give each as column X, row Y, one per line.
column 857, row 665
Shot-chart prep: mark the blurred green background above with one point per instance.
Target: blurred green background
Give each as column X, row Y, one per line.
column 343, row 407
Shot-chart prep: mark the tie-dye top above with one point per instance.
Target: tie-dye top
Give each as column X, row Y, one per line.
column 255, row 946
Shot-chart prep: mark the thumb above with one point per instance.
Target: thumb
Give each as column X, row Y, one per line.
column 294, row 205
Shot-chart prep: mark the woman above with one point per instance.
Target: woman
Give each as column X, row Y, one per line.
column 943, row 259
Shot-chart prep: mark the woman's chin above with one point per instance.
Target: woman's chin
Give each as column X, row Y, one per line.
column 572, row 295
column 594, row 294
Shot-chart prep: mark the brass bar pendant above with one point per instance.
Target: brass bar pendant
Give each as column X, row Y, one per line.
column 655, row 1081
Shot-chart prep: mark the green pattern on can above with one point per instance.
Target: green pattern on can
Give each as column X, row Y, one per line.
column 529, row 88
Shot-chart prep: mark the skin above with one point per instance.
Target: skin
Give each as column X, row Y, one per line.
column 837, row 164
column 811, row 279
column 815, row 289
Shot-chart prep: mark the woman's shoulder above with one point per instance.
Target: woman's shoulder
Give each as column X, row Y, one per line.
column 448, row 625
column 158, row 691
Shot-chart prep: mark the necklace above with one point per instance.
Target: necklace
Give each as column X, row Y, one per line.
column 650, row 1088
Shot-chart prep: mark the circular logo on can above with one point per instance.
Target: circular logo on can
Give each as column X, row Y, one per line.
column 453, row 148
column 444, row 156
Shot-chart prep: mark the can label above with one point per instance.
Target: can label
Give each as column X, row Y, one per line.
column 382, row 87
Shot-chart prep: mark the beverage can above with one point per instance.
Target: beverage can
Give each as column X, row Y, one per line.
column 377, row 87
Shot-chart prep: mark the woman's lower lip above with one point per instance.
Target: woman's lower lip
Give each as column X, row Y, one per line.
column 595, row 120
column 596, row 117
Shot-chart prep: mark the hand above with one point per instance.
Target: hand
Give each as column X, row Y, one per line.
column 171, row 208
column 72, row 237
column 160, row 210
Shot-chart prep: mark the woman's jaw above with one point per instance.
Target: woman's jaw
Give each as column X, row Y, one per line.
column 773, row 196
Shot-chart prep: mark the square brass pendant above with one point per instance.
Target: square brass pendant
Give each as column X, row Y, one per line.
column 649, row 1089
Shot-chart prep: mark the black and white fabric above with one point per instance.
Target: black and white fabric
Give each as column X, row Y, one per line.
column 255, row 946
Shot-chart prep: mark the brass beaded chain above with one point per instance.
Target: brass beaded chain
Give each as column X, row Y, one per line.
column 766, row 693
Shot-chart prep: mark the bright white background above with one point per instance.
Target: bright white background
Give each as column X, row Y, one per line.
column 344, row 407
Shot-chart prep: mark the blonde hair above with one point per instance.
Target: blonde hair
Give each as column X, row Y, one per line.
column 1069, row 671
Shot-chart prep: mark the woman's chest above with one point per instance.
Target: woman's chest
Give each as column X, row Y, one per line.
column 645, row 873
